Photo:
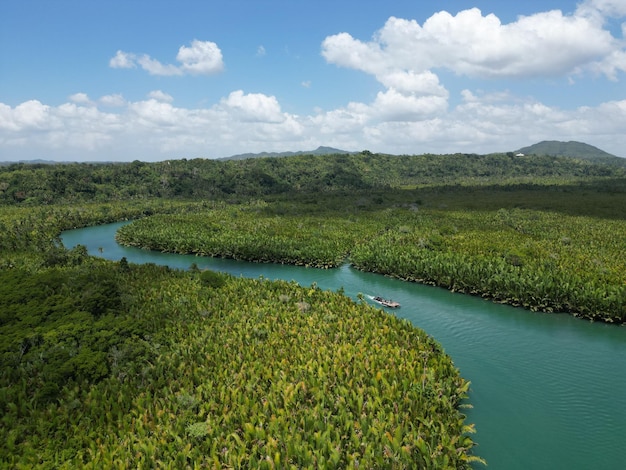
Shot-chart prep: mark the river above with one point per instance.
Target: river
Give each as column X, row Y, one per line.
column 548, row 390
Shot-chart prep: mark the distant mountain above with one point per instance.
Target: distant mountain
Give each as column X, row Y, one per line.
column 32, row 162
column 319, row 151
column 571, row 149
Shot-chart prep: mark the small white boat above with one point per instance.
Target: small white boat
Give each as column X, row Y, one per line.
column 385, row 302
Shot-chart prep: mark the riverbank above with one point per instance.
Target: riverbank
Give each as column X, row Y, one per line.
column 539, row 260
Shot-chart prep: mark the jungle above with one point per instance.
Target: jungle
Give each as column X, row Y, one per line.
column 110, row 364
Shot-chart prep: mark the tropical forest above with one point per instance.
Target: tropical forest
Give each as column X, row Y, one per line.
column 111, row 364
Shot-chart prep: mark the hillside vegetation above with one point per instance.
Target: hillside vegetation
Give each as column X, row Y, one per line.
column 572, row 149
column 260, row 177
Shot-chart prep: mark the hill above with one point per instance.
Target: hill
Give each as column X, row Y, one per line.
column 571, row 149
column 32, row 162
column 319, row 151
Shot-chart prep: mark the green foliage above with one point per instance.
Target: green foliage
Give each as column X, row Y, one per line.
column 212, row 279
column 58, row 326
column 514, row 256
column 238, row 376
column 112, row 365
column 253, row 232
column 24, row 184
column 542, row 260
column 30, row 234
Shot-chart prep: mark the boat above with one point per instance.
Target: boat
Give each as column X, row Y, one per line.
column 385, row 302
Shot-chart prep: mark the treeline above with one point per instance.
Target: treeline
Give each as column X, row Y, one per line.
column 200, row 178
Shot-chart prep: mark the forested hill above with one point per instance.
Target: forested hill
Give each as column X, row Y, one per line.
column 257, row 177
column 571, row 149
column 318, row 151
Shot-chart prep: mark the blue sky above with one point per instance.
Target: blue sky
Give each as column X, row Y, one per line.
column 156, row 80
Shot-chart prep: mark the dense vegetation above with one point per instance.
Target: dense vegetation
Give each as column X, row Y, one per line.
column 255, row 232
column 537, row 259
column 110, row 365
column 260, row 177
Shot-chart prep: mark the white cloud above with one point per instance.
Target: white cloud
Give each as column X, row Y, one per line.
column 602, row 8
column 541, row 45
column 122, row 60
column 156, row 114
column 155, row 129
column 342, row 49
column 30, row 115
column 159, row 95
column 201, row 58
column 424, row 83
column 80, row 98
column 56, row 131
column 114, row 101
column 254, row 107
column 260, row 52
column 612, row 65
column 404, row 57
column 394, row 106
column 154, row 67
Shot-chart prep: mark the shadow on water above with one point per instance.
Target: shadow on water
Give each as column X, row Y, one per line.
column 546, row 388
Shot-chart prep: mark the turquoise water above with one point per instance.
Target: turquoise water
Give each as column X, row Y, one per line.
column 548, row 391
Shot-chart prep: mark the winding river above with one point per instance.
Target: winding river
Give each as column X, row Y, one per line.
column 548, row 391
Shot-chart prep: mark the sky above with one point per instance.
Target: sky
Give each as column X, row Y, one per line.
column 124, row 80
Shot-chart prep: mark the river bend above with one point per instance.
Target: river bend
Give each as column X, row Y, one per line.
column 548, row 391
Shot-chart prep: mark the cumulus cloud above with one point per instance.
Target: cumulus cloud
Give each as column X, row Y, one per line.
column 405, row 56
column 255, row 107
column 200, row 58
column 29, row 115
column 154, row 67
column 392, row 105
column 469, row 43
column 155, row 129
column 55, row 131
column 159, row 95
column 114, row 101
column 123, row 60
column 149, row 129
column 80, row 98
column 423, row 83
column 155, row 114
